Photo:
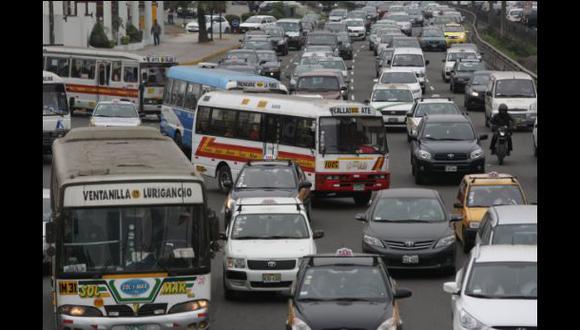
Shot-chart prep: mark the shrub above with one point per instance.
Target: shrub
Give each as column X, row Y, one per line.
column 98, row 38
column 135, row 35
column 245, row 16
column 125, row 40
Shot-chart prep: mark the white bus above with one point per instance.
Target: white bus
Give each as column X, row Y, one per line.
column 55, row 110
column 93, row 75
column 340, row 145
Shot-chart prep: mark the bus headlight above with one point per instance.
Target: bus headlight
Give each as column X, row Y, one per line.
column 475, row 94
column 77, row 310
column 189, row 306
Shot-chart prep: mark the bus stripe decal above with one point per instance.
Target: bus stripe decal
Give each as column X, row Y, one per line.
column 379, row 164
column 72, row 88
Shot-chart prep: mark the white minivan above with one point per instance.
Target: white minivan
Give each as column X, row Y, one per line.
column 518, row 91
column 411, row 59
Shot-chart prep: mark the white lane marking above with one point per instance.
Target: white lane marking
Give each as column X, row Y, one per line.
column 355, row 55
column 352, row 97
column 352, row 87
column 352, row 81
column 426, row 80
column 432, row 88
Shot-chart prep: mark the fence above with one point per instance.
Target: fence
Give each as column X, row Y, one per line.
column 515, row 30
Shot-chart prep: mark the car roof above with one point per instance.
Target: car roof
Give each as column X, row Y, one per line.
column 408, row 50
column 447, row 118
column 269, row 205
column 491, row 178
column 391, row 86
column 274, row 162
column 511, row 75
column 407, row 192
column 331, row 259
column 398, row 69
column 290, row 20
column 515, row 214
column 506, row 253
column 435, row 100
column 116, row 102
column 322, row 72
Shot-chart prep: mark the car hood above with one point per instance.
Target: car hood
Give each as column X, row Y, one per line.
column 344, row 315
column 505, row 312
column 244, row 193
column 270, row 249
column 478, row 88
column 271, row 65
column 475, row 213
column 516, row 103
column 449, row 146
column 122, row 122
column 253, row 25
column 408, row 231
column 392, row 105
column 331, row 95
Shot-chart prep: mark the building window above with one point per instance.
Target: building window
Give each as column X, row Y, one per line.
column 69, row 8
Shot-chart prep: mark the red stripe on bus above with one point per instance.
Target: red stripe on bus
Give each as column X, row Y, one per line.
column 72, row 88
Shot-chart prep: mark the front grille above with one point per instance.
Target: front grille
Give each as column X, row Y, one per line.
column 152, row 309
column 274, row 264
column 126, row 311
column 515, row 328
column 451, row 156
column 394, row 112
column 416, row 245
column 119, row 310
column 282, row 284
column 236, row 275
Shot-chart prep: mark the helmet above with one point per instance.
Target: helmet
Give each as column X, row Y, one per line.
column 503, row 108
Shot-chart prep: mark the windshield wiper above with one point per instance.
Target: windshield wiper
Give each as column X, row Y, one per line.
column 516, row 297
column 249, row 237
column 350, row 299
column 414, row 220
column 282, row 237
column 480, row 295
column 314, row 299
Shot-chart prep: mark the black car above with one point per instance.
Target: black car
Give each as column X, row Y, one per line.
column 446, row 144
column 475, row 90
column 272, row 178
column 345, row 48
column 278, row 38
column 270, row 63
column 344, row 291
column 257, row 43
column 432, row 39
column 410, row 228
column 462, row 72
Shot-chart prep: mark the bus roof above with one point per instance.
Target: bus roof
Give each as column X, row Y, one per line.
column 286, row 104
column 51, row 78
column 92, row 52
column 97, row 154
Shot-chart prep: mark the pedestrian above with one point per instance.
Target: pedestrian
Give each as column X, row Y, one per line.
column 156, row 31
column 170, row 16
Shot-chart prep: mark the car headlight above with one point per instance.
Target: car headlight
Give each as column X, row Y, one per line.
column 189, row 306
column 477, row 153
column 280, row 42
column 92, row 122
column 423, row 154
column 76, row 310
column 236, row 263
column 476, row 94
column 389, row 324
column 445, row 241
column 469, row 322
column 298, row 324
column 474, row 224
column 372, row 241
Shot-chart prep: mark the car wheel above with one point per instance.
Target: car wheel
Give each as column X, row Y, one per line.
column 466, row 245
column 408, row 138
column 178, row 140
column 224, row 174
column 362, row 199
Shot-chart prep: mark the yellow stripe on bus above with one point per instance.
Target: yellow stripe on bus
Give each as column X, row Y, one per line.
column 135, row 275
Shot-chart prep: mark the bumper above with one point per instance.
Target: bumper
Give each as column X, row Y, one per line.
column 427, row 45
column 477, row 101
column 462, row 167
column 152, row 108
column 459, row 85
column 357, row 34
column 349, row 183
column 394, row 120
column 431, row 258
column 49, row 137
column 295, row 42
column 167, row 321
column 251, row 280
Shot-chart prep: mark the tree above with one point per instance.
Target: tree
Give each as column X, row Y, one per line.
column 502, row 18
column 202, row 35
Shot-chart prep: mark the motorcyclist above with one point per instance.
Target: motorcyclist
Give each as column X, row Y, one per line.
column 502, row 118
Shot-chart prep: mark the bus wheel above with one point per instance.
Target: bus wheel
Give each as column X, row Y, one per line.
column 362, row 199
column 178, row 140
column 224, row 174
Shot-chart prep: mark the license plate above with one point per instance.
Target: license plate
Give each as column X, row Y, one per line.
column 271, row 277
column 393, row 120
column 358, row 187
column 414, row 259
column 450, row 168
column 139, row 327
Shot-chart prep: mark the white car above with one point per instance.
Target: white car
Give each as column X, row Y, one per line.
column 264, row 243
column 411, row 59
column 455, row 54
column 46, row 210
column 508, row 224
column 497, row 289
column 115, row 114
column 257, row 22
column 394, row 101
column 535, row 137
column 193, row 26
column 356, row 28
column 401, row 76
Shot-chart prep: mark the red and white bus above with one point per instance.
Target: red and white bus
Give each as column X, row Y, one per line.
column 93, row 75
column 340, row 145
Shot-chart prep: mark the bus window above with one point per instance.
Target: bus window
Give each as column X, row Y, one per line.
column 248, row 126
column 272, row 128
column 203, row 120
column 178, row 92
column 223, row 122
column 104, row 73
column 116, row 71
column 167, row 92
column 191, row 96
column 58, row 66
column 84, row 69
column 305, row 133
column 130, row 73
column 288, row 130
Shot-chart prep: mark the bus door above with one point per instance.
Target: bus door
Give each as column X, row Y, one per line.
column 271, row 128
column 103, row 81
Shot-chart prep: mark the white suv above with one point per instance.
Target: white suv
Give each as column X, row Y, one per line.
column 401, row 76
column 497, row 289
column 453, row 55
column 264, row 243
column 411, row 59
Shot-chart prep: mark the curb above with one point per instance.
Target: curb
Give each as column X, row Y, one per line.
column 205, row 58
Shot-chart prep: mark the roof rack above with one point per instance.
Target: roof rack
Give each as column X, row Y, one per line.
column 435, row 97
column 239, row 206
column 249, row 162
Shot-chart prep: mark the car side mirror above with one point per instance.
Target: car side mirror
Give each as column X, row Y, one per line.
column 487, row 93
column 349, row 68
column 458, row 205
column 483, row 137
column 375, row 80
column 50, row 229
column 318, row 234
column 343, row 88
column 443, row 61
column 456, row 218
column 71, row 103
column 214, row 224
column 223, row 236
column 288, row 76
column 451, row 287
column 241, row 40
column 427, row 62
column 409, row 114
column 142, row 115
column 361, row 217
column 305, row 185
column 402, row 293
column 388, row 62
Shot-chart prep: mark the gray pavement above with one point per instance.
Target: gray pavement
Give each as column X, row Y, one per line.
column 429, row 307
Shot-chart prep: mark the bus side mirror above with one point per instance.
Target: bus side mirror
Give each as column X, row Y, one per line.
column 50, row 229
column 427, row 62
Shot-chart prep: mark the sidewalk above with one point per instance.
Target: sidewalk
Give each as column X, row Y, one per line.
column 188, row 51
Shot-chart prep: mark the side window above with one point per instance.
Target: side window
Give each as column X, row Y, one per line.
column 288, row 130
column 272, row 128
column 248, row 126
column 178, row 92
column 202, row 120
column 167, row 92
column 223, row 122
column 304, row 133
column 116, row 71
column 84, row 69
column 130, row 73
column 58, row 65
column 192, row 96
column 461, row 192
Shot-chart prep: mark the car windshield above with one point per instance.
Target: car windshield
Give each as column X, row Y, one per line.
column 254, row 19
column 273, row 177
column 54, row 100
column 306, row 68
column 488, row 195
column 453, row 29
column 414, row 60
column 432, row 33
column 398, row 78
column 354, row 22
column 338, row 65
column 324, row 39
column 480, row 79
column 455, row 56
column 258, row 44
column 269, row 226
column 470, row 67
column 242, row 57
column 268, row 56
column 448, row 131
column 436, row 109
column 115, row 110
column 516, row 234
column 352, row 135
column 133, row 239
column 409, row 43
column 503, row 280
column 408, row 209
column 337, row 12
column 392, row 95
column 335, row 27
column 344, row 282
column 515, row 88
column 274, row 32
column 289, row 26
column 400, row 18
column 318, row 83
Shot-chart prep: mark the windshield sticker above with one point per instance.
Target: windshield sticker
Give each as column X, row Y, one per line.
column 342, row 110
column 76, row 268
column 331, row 164
column 184, row 253
column 66, row 288
column 177, row 287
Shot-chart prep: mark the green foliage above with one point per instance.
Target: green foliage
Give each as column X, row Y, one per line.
column 245, row 16
column 125, row 40
column 98, row 38
column 510, row 46
column 135, row 35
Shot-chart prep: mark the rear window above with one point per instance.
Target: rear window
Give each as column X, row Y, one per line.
column 398, row 77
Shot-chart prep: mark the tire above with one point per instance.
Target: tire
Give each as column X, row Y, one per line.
column 486, row 121
column 408, row 138
column 500, row 151
column 223, row 173
column 419, row 179
column 466, row 246
column 178, row 140
column 362, row 199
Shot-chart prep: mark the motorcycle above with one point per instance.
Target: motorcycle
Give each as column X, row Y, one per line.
column 501, row 146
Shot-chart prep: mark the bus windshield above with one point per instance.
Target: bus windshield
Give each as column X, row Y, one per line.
column 350, row 135
column 156, row 74
column 133, row 239
column 54, row 100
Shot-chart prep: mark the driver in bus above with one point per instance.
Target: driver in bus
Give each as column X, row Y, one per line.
column 255, row 132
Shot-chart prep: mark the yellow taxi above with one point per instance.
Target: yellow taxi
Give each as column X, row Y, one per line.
column 477, row 192
column 454, row 34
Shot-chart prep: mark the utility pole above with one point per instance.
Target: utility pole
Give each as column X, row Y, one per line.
column 51, row 22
